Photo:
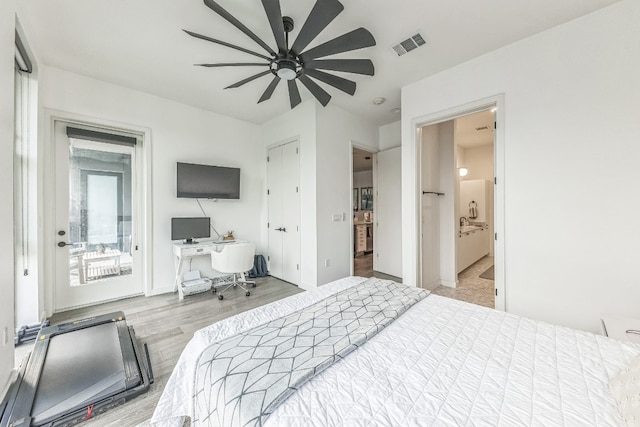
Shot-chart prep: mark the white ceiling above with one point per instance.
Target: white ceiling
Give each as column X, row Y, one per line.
column 362, row 160
column 139, row 44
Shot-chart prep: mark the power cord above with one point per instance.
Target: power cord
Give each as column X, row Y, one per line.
column 205, row 214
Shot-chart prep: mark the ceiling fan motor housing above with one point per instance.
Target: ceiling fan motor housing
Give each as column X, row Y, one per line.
column 296, row 63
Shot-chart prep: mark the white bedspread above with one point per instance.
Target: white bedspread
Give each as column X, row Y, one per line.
column 176, row 401
column 444, row 363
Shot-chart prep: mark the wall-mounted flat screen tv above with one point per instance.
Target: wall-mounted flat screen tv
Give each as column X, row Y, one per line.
column 208, row 182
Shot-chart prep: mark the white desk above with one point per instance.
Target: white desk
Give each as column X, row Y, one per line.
column 182, row 251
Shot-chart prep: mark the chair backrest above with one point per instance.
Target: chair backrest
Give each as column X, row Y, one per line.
column 234, row 258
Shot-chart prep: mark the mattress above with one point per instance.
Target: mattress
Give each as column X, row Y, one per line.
column 443, row 362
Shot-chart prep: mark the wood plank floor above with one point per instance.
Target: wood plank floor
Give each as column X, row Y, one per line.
column 166, row 325
column 363, row 267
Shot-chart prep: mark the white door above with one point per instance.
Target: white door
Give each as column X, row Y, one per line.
column 283, row 194
column 388, row 238
column 97, row 256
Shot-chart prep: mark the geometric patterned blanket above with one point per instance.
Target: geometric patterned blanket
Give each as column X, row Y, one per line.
column 240, row 380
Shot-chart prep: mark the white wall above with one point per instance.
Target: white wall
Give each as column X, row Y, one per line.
column 479, row 162
column 390, row 135
column 447, row 204
column 7, row 28
column 429, row 220
column 336, row 129
column 363, row 179
column 299, row 123
column 179, row 133
column 571, row 129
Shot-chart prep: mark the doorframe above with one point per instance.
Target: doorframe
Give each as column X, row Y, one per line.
column 354, row 144
column 498, row 102
column 48, row 191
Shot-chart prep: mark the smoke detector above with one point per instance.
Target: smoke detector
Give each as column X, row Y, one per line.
column 409, row 44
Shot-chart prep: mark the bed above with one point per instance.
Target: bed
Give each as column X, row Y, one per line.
column 442, row 362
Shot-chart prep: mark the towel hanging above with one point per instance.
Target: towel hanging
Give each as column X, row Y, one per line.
column 473, row 210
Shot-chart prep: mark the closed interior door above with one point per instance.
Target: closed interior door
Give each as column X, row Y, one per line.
column 275, row 207
column 97, row 257
column 283, row 176
column 388, row 219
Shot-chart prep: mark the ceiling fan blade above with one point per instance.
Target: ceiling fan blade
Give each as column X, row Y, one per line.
column 274, row 13
column 344, row 85
column 356, row 66
column 321, row 95
column 248, row 79
column 356, row 39
column 239, row 25
column 323, row 12
column 294, row 93
column 220, row 42
column 233, row 64
column 272, row 86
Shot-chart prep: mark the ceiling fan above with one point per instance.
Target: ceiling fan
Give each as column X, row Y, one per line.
column 293, row 63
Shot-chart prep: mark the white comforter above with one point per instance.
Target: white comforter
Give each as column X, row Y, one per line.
column 443, row 362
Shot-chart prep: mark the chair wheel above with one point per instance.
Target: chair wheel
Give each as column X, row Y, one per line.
column 248, row 293
column 253, row 285
column 220, row 297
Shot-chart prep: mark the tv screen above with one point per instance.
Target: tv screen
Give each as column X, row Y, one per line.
column 208, row 182
column 190, row 228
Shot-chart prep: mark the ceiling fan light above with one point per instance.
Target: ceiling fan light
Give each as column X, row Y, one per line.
column 286, row 71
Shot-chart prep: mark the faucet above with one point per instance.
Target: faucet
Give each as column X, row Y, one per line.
column 463, row 221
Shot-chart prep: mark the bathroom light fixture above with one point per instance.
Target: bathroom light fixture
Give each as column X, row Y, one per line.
column 378, row 101
column 463, row 171
column 395, row 110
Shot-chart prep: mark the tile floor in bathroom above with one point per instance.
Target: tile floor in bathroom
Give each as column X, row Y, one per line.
column 471, row 288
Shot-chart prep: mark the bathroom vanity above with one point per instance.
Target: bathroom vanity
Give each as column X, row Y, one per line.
column 473, row 244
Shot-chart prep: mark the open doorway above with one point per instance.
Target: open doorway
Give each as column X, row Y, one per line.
column 457, row 212
column 363, row 212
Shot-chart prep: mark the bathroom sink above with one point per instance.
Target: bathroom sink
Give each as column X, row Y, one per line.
column 467, row 228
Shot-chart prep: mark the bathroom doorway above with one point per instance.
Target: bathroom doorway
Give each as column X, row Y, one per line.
column 457, row 207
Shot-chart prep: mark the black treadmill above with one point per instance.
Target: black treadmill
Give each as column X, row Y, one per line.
column 75, row 371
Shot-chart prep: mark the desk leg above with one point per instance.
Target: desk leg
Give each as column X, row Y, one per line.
column 177, row 281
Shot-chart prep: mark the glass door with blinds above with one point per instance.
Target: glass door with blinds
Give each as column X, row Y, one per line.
column 97, row 254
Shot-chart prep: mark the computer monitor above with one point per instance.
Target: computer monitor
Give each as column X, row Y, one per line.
column 188, row 229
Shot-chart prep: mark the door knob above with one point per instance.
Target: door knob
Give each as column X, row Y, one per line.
column 61, row 233
column 280, row 229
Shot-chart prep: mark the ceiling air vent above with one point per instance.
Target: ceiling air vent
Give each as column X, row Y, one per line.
column 409, row 44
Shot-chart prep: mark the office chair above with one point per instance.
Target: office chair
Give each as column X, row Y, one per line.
column 234, row 259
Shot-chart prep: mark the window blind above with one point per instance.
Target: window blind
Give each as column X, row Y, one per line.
column 97, row 136
column 23, row 62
